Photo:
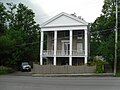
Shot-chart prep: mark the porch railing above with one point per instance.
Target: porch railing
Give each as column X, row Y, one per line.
column 48, row 53
column 78, row 53
column 63, row 53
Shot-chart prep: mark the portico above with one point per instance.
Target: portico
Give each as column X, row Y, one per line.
column 67, row 40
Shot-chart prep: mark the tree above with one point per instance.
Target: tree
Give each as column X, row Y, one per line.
column 2, row 18
column 25, row 18
column 6, row 45
column 102, row 32
column 10, row 53
column 11, row 12
column 20, row 40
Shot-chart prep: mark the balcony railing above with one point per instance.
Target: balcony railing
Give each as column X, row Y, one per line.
column 50, row 53
column 78, row 53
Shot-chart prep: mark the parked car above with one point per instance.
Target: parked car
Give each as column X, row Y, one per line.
column 25, row 66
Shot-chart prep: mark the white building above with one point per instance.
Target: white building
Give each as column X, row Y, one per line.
column 67, row 40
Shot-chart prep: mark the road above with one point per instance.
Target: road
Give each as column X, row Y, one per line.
column 16, row 82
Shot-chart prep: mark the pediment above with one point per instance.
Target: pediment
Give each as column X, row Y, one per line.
column 63, row 19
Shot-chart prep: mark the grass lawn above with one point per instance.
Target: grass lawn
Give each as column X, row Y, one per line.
column 5, row 70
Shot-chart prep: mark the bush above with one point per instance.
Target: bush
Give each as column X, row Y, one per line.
column 99, row 64
column 5, row 70
column 90, row 63
column 118, row 74
column 99, row 68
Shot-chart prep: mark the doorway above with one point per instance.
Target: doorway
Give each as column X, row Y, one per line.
column 66, row 47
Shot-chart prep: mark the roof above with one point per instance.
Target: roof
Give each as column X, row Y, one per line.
column 64, row 19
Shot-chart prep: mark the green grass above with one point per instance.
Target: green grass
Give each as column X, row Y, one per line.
column 118, row 74
column 5, row 70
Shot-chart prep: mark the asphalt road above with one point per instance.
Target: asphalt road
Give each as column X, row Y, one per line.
column 15, row 82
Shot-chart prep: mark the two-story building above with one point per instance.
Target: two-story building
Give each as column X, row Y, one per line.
column 67, row 41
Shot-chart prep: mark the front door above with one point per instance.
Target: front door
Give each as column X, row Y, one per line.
column 65, row 48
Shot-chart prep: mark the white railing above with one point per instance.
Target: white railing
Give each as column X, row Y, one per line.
column 63, row 53
column 48, row 53
column 78, row 53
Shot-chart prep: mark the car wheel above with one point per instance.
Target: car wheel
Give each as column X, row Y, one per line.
column 29, row 70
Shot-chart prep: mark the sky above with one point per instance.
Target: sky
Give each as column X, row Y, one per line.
column 45, row 9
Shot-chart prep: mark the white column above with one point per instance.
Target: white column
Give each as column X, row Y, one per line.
column 41, row 48
column 55, row 46
column 85, row 60
column 70, row 58
column 86, row 45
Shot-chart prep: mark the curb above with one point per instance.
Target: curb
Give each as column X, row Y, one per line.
column 75, row 75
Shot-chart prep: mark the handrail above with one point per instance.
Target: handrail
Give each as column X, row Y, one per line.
column 63, row 53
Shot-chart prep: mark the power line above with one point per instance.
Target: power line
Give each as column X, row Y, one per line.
column 24, row 44
column 102, row 31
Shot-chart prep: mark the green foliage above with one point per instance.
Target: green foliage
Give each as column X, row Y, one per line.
column 98, row 63
column 19, row 37
column 2, row 18
column 5, row 70
column 91, row 62
column 99, row 66
column 6, row 45
column 103, row 34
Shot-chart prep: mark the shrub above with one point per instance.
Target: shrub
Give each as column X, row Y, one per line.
column 5, row 70
column 99, row 65
column 90, row 63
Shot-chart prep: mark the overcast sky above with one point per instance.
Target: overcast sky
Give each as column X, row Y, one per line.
column 44, row 9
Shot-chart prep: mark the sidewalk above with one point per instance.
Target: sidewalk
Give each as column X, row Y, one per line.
column 75, row 75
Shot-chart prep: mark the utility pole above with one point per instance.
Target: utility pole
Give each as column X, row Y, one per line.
column 116, row 39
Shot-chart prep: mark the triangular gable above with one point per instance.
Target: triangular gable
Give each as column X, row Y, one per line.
column 64, row 19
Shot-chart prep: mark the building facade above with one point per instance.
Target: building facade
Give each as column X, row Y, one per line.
column 64, row 40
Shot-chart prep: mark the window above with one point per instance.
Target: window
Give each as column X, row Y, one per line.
column 79, row 35
column 66, row 33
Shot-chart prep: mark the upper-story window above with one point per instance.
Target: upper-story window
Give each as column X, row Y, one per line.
column 79, row 35
column 66, row 34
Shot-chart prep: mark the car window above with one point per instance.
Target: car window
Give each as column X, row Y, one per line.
column 25, row 64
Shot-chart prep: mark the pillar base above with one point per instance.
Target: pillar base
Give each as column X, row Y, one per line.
column 70, row 61
column 41, row 61
column 54, row 63
column 85, row 60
